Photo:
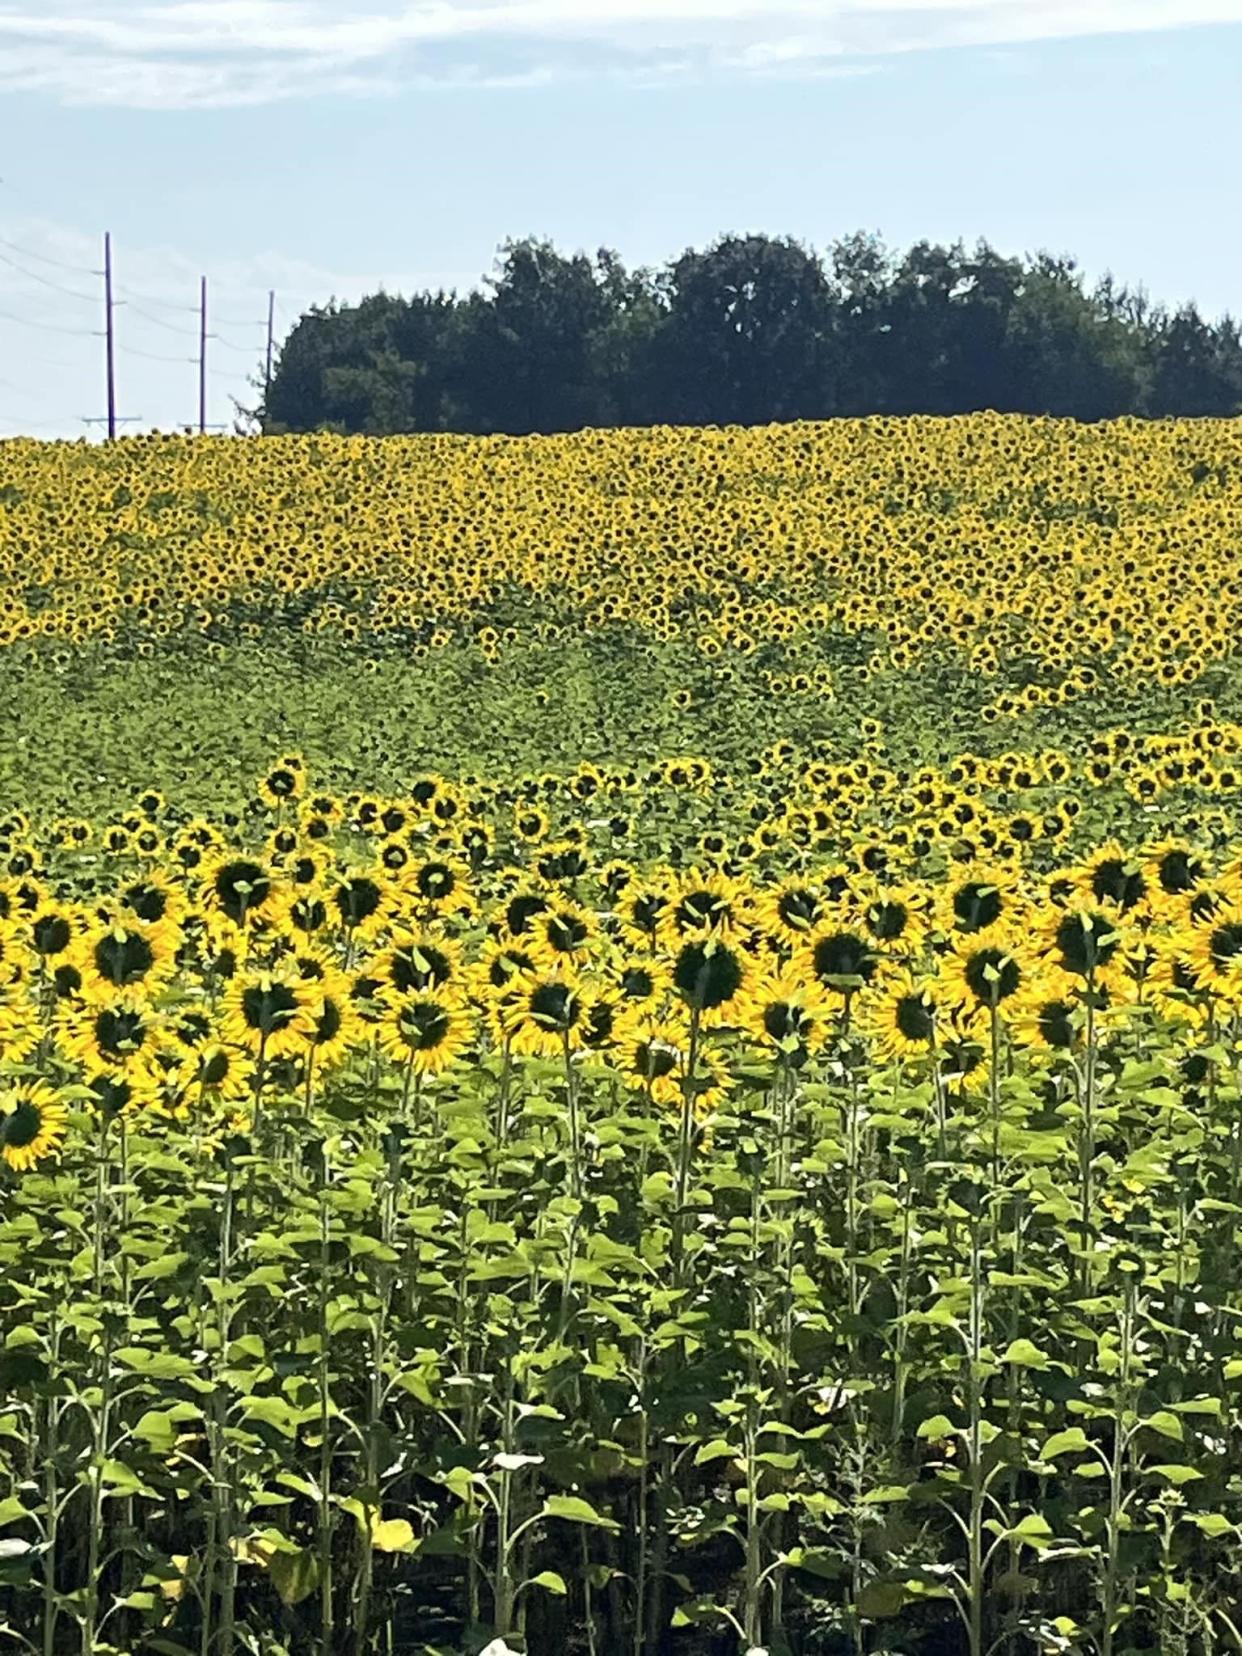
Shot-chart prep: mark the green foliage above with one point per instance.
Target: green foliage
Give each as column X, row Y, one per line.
column 751, row 330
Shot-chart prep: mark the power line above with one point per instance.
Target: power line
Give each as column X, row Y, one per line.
column 47, row 327
column 246, row 350
column 129, row 297
column 137, row 310
column 46, row 281
column 46, row 258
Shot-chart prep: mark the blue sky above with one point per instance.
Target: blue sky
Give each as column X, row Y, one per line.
column 329, row 146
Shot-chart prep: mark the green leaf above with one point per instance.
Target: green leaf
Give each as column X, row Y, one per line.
column 12, row 1511
column 1168, row 1425
column 1176, row 1475
column 1024, row 1354
column 574, row 1510
column 1211, row 1524
column 1072, row 1441
column 294, row 1575
column 717, row 1449
column 937, row 1427
column 550, row 1582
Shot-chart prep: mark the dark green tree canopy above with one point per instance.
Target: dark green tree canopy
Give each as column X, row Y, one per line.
column 750, row 330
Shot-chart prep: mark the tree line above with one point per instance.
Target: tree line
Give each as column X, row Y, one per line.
column 752, row 329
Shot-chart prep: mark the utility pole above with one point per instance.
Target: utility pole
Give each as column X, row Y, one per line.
column 110, row 346
column 202, row 360
column 267, row 368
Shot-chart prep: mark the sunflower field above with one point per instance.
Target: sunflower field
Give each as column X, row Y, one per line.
column 627, row 1044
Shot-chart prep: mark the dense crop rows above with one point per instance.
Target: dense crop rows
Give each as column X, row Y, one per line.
column 779, row 1200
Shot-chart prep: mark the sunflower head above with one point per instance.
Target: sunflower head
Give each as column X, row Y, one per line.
column 32, row 1125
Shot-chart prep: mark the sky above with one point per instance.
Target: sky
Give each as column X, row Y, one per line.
column 326, row 148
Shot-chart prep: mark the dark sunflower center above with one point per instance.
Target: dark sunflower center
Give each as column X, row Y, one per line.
column 599, row 1023
column 636, row 983
column 117, row 1032
column 843, row 955
column 435, row 881
column 124, row 959
column 707, row 977
column 22, row 1125
column 241, row 887
column 645, row 913
column 308, row 914
column 566, row 932
column 653, row 1062
column 1086, row 941
column 1124, row 886
column 1178, row 871
column 420, row 967
column 914, row 1019
column 798, row 909
column 148, row 902
column 522, row 910
column 328, row 1023
column 1054, row 1019
column 424, row 1026
column 992, row 975
column 1226, row 943
column 267, row 1008
column 505, row 965
column 357, row 900
column 781, row 1020
column 889, row 920
column 554, row 1006
column 976, row 906
column 700, row 910
column 51, row 934
column 215, row 1069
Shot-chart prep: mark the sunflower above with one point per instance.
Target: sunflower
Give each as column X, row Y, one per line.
column 788, row 1015
column 156, row 904
column 640, row 909
column 652, row 1057
column 52, row 930
column 901, row 1017
column 896, row 917
column 1174, row 868
column 415, row 961
column 1087, row 942
column 218, row 1071
column 841, row 958
column 426, row 1031
column 701, row 906
column 32, row 1125
column 284, row 782
column 710, row 977
column 986, row 974
column 360, row 900
column 334, row 1024
column 563, row 933
column 978, row 898
column 123, row 1035
column 1111, row 875
column 546, row 1013
column 239, row 888
column 791, row 910
column 1215, row 957
column 113, row 955
column 269, row 1012
column 438, row 885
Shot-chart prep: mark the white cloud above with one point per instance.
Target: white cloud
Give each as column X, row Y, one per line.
column 207, row 53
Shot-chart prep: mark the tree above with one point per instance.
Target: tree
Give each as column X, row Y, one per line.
column 747, row 337
column 752, row 329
